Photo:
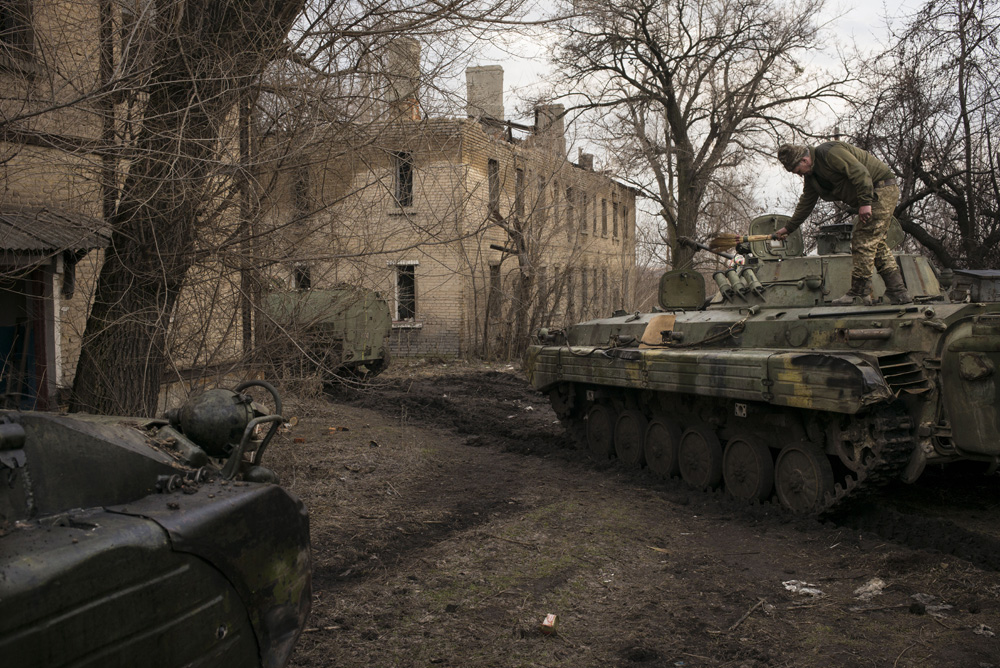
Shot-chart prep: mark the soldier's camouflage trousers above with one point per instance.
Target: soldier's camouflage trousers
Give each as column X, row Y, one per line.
column 868, row 246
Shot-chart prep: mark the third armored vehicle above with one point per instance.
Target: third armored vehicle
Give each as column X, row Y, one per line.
column 339, row 332
column 769, row 389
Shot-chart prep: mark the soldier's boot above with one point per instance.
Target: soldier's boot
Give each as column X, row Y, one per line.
column 860, row 289
column 895, row 288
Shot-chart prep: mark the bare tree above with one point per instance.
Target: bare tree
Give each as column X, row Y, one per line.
column 931, row 107
column 688, row 89
column 191, row 66
column 188, row 93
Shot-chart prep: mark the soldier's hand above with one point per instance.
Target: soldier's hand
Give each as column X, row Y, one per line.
column 865, row 212
column 781, row 234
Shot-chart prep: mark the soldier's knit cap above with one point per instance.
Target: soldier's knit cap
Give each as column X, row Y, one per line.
column 790, row 154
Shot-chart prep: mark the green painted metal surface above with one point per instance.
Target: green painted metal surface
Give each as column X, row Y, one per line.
column 116, row 551
column 338, row 331
column 770, row 352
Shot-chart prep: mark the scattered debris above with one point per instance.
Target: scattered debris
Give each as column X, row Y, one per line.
column 298, row 439
column 746, row 614
column 317, row 629
column 983, row 630
column 548, row 625
column 804, row 588
column 336, row 429
column 926, row 604
column 870, row 589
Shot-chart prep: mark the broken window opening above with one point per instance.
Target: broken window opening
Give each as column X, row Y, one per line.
column 406, row 292
column 403, row 178
column 302, row 275
column 614, row 218
column 302, row 198
column 493, row 179
column 519, row 193
column 17, row 37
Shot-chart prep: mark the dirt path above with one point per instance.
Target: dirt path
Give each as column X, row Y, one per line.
column 448, row 518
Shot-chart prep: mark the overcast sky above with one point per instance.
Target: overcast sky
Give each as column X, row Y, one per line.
column 860, row 22
column 525, row 60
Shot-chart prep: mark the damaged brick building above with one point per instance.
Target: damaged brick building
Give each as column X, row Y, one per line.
column 476, row 229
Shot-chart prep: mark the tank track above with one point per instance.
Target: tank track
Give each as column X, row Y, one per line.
column 893, row 443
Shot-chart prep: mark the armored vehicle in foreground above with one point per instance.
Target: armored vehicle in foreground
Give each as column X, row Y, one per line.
column 768, row 389
column 156, row 543
column 339, row 332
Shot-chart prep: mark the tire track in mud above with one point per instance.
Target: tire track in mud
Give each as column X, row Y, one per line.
column 950, row 510
column 928, row 533
column 499, row 409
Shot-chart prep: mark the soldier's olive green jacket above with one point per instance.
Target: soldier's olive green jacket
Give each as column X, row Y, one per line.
column 841, row 172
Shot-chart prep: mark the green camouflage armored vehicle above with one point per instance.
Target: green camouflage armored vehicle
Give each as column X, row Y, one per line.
column 339, row 332
column 155, row 543
column 767, row 389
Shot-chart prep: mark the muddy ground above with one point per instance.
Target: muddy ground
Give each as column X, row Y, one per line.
column 450, row 515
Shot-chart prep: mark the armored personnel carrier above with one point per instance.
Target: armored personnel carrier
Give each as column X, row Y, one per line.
column 338, row 332
column 158, row 543
column 767, row 389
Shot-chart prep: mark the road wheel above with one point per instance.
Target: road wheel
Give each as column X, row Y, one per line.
column 660, row 445
column 601, row 431
column 629, row 431
column 747, row 469
column 802, row 477
column 700, row 457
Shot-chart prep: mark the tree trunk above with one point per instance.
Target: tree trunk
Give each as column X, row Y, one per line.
column 203, row 56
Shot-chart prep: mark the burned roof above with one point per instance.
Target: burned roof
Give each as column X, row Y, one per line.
column 41, row 230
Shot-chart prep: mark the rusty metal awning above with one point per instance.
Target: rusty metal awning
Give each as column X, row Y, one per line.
column 42, row 230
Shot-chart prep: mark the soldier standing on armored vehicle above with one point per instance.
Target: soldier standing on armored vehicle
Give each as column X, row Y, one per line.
column 839, row 171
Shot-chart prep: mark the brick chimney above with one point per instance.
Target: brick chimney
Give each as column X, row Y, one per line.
column 484, row 92
column 585, row 161
column 550, row 128
column 403, row 74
